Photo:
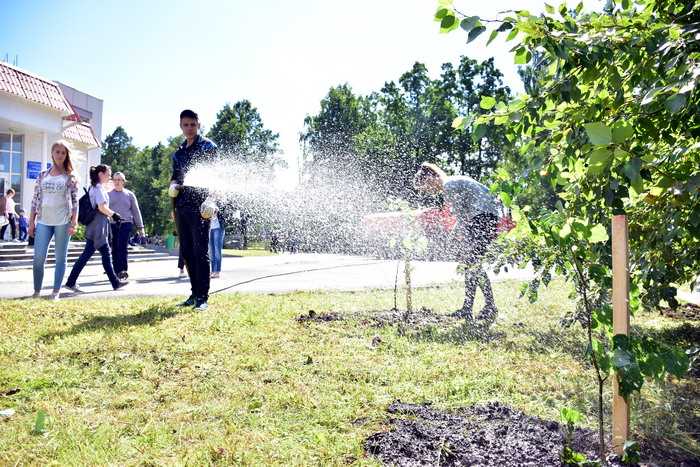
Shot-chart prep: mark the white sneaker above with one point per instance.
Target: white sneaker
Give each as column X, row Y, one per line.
column 75, row 289
column 55, row 296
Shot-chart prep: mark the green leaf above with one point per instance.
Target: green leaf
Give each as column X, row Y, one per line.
column 598, row 234
column 459, row 123
column 598, row 160
column 505, row 26
column 521, row 56
column 505, row 197
column 622, row 359
column 565, row 231
column 441, row 13
column 601, row 356
column 469, row 23
column 474, row 33
column 39, row 423
column 493, row 35
column 621, row 133
column 570, row 416
column 676, row 362
column 599, row 133
column 632, row 172
column 676, row 103
column 479, row 132
column 549, row 8
column 448, row 23
column 652, row 366
column 487, row 102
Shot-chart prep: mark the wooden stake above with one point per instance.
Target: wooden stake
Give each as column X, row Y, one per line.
column 621, row 324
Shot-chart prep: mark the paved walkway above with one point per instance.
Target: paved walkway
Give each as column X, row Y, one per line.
column 279, row 273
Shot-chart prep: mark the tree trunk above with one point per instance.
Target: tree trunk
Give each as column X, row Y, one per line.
column 409, row 298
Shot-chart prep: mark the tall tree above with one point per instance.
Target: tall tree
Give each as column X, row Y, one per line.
column 118, row 150
column 329, row 134
column 240, row 133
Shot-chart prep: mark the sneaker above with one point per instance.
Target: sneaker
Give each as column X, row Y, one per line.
column 215, row 275
column 55, row 296
column 189, row 302
column 488, row 315
column 182, row 272
column 74, row 288
column 201, row 305
column 36, row 294
column 462, row 313
column 123, row 275
column 121, row 285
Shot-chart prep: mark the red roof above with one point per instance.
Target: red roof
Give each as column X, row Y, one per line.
column 22, row 84
column 82, row 133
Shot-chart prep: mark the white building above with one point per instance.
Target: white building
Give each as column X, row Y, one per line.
column 35, row 112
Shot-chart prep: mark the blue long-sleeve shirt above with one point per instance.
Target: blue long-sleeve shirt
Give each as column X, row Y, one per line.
column 185, row 157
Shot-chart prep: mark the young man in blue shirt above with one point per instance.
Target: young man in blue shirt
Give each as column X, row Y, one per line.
column 192, row 222
column 477, row 213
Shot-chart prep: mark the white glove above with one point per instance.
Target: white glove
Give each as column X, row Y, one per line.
column 174, row 189
column 208, row 208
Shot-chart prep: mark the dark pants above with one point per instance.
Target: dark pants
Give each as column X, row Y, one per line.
column 13, row 227
column 180, row 259
column 120, row 245
column 22, row 233
column 193, row 232
column 470, row 242
column 85, row 257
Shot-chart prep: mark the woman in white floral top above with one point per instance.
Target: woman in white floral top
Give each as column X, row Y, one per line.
column 54, row 215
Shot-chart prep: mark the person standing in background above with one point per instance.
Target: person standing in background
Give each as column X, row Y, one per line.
column 123, row 202
column 23, row 224
column 7, row 208
column 217, row 231
column 97, row 231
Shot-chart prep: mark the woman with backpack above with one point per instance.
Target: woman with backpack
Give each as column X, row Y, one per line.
column 54, row 214
column 96, row 215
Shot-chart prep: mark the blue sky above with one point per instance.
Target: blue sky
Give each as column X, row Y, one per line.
column 149, row 60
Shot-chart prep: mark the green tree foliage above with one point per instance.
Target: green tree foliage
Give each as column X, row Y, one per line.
column 240, row 133
column 118, row 150
column 385, row 136
column 611, row 125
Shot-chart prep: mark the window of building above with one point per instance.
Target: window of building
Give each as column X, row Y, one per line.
column 11, row 158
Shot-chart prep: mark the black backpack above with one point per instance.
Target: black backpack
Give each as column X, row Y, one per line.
column 86, row 211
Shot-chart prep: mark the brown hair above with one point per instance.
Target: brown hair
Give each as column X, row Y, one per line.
column 428, row 170
column 10, row 191
column 95, row 172
column 67, row 164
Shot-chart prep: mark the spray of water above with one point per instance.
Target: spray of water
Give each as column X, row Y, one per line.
column 334, row 213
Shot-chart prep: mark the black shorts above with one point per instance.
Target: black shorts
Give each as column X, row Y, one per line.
column 470, row 241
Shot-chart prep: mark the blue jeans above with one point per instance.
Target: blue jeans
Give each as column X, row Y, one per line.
column 42, row 238
column 85, row 257
column 216, row 244
column 120, row 244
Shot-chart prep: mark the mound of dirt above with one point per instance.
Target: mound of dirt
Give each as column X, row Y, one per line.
column 489, row 435
column 312, row 316
column 687, row 311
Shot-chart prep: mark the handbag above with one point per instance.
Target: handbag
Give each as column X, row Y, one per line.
column 3, row 220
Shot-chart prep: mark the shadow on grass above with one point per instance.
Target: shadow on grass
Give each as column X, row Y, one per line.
column 669, row 424
column 458, row 334
column 148, row 317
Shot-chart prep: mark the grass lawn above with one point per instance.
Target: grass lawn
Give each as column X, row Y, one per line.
column 254, row 249
column 140, row 382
